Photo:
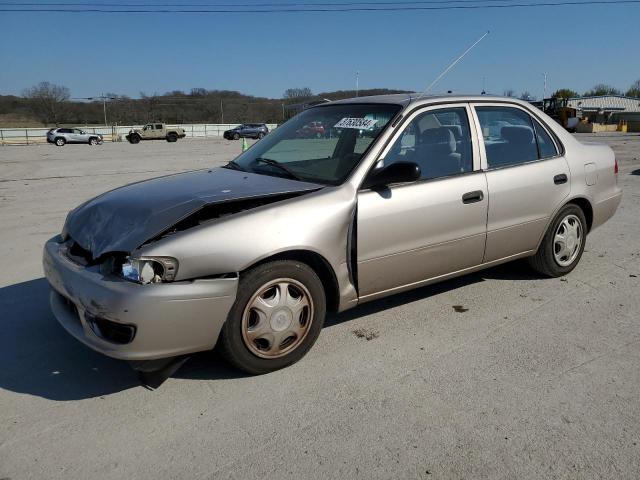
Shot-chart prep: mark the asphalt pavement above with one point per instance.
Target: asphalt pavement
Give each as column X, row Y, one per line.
column 500, row 374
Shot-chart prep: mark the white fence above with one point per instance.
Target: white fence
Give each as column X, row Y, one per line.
column 29, row 136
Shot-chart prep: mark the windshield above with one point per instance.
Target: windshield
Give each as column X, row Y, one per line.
column 321, row 144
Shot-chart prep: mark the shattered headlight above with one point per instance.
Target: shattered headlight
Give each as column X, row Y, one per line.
column 149, row 269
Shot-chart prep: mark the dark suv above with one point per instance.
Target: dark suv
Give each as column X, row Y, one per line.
column 247, row 130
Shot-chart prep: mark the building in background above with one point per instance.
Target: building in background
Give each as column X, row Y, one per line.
column 609, row 109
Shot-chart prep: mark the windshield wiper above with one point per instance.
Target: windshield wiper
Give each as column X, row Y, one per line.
column 278, row 165
column 232, row 165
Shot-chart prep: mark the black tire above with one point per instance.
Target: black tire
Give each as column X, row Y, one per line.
column 94, row 141
column 236, row 136
column 172, row 137
column 60, row 141
column 232, row 345
column 260, row 136
column 134, row 139
column 544, row 261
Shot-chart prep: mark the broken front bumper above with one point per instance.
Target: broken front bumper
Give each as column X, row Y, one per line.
column 165, row 319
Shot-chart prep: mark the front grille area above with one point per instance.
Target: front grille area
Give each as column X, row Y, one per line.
column 78, row 254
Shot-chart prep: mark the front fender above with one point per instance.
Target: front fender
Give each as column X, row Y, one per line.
column 318, row 222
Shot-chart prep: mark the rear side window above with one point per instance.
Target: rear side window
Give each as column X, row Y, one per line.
column 512, row 137
column 546, row 147
column 159, row 126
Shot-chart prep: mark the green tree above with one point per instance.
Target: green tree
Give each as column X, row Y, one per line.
column 564, row 93
column 602, row 89
column 634, row 91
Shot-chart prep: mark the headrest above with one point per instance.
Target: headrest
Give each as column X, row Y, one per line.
column 439, row 136
column 456, row 130
column 517, row 134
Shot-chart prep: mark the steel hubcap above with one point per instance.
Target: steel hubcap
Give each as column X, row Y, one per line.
column 277, row 318
column 567, row 240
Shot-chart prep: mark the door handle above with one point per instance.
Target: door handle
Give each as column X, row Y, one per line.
column 473, row 197
column 560, row 179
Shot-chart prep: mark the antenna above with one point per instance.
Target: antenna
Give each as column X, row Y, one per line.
column 451, row 65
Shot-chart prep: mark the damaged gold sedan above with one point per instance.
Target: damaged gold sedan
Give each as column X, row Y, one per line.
column 395, row 192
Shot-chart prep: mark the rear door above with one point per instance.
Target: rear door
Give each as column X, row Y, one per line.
column 159, row 131
column 412, row 232
column 527, row 176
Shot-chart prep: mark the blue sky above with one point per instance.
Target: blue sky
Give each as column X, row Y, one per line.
column 263, row 54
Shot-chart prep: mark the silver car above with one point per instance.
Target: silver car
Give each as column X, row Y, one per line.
column 401, row 192
column 62, row 136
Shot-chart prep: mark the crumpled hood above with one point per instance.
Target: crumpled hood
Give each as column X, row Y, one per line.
column 123, row 219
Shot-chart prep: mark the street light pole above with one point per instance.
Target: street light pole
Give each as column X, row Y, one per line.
column 104, row 108
column 104, row 103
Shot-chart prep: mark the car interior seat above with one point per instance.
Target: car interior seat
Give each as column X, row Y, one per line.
column 436, row 153
column 519, row 145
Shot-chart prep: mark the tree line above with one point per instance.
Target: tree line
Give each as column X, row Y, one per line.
column 52, row 105
column 598, row 90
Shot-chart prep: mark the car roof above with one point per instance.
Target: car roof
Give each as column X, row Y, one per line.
column 412, row 99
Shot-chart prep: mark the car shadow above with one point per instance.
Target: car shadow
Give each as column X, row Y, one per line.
column 516, row 270
column 636, row 172
column 40, row 358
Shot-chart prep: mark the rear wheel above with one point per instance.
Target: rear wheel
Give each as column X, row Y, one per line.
column 276, row 318
column 60, row 141
column 563, row 244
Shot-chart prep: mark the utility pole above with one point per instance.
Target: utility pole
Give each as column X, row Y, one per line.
column 544, row 95
column 221, row 112
column 104, row 103
column 357, row 82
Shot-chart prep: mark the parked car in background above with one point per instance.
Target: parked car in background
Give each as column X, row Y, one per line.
column 155, row 131
column 247, row 130
column 311, row 130
column 250, row 256
column 62, row 136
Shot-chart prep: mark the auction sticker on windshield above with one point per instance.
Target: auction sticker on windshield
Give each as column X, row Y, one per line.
column 357, row 123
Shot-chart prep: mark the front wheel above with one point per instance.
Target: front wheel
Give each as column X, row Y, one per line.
column 134, row 139
column 260, row 136
column 236, row 136
column 563, row 244
column 93, row 141
column 276, row 318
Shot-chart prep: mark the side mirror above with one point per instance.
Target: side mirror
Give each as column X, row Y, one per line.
column 399, row 172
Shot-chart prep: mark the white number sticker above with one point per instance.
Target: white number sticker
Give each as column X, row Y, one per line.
column 357, row 123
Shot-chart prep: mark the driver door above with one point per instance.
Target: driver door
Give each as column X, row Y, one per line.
column 410, row 233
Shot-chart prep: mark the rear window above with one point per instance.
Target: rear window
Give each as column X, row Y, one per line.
column 512, row 136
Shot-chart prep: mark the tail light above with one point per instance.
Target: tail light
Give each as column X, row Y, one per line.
column 615, row 166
